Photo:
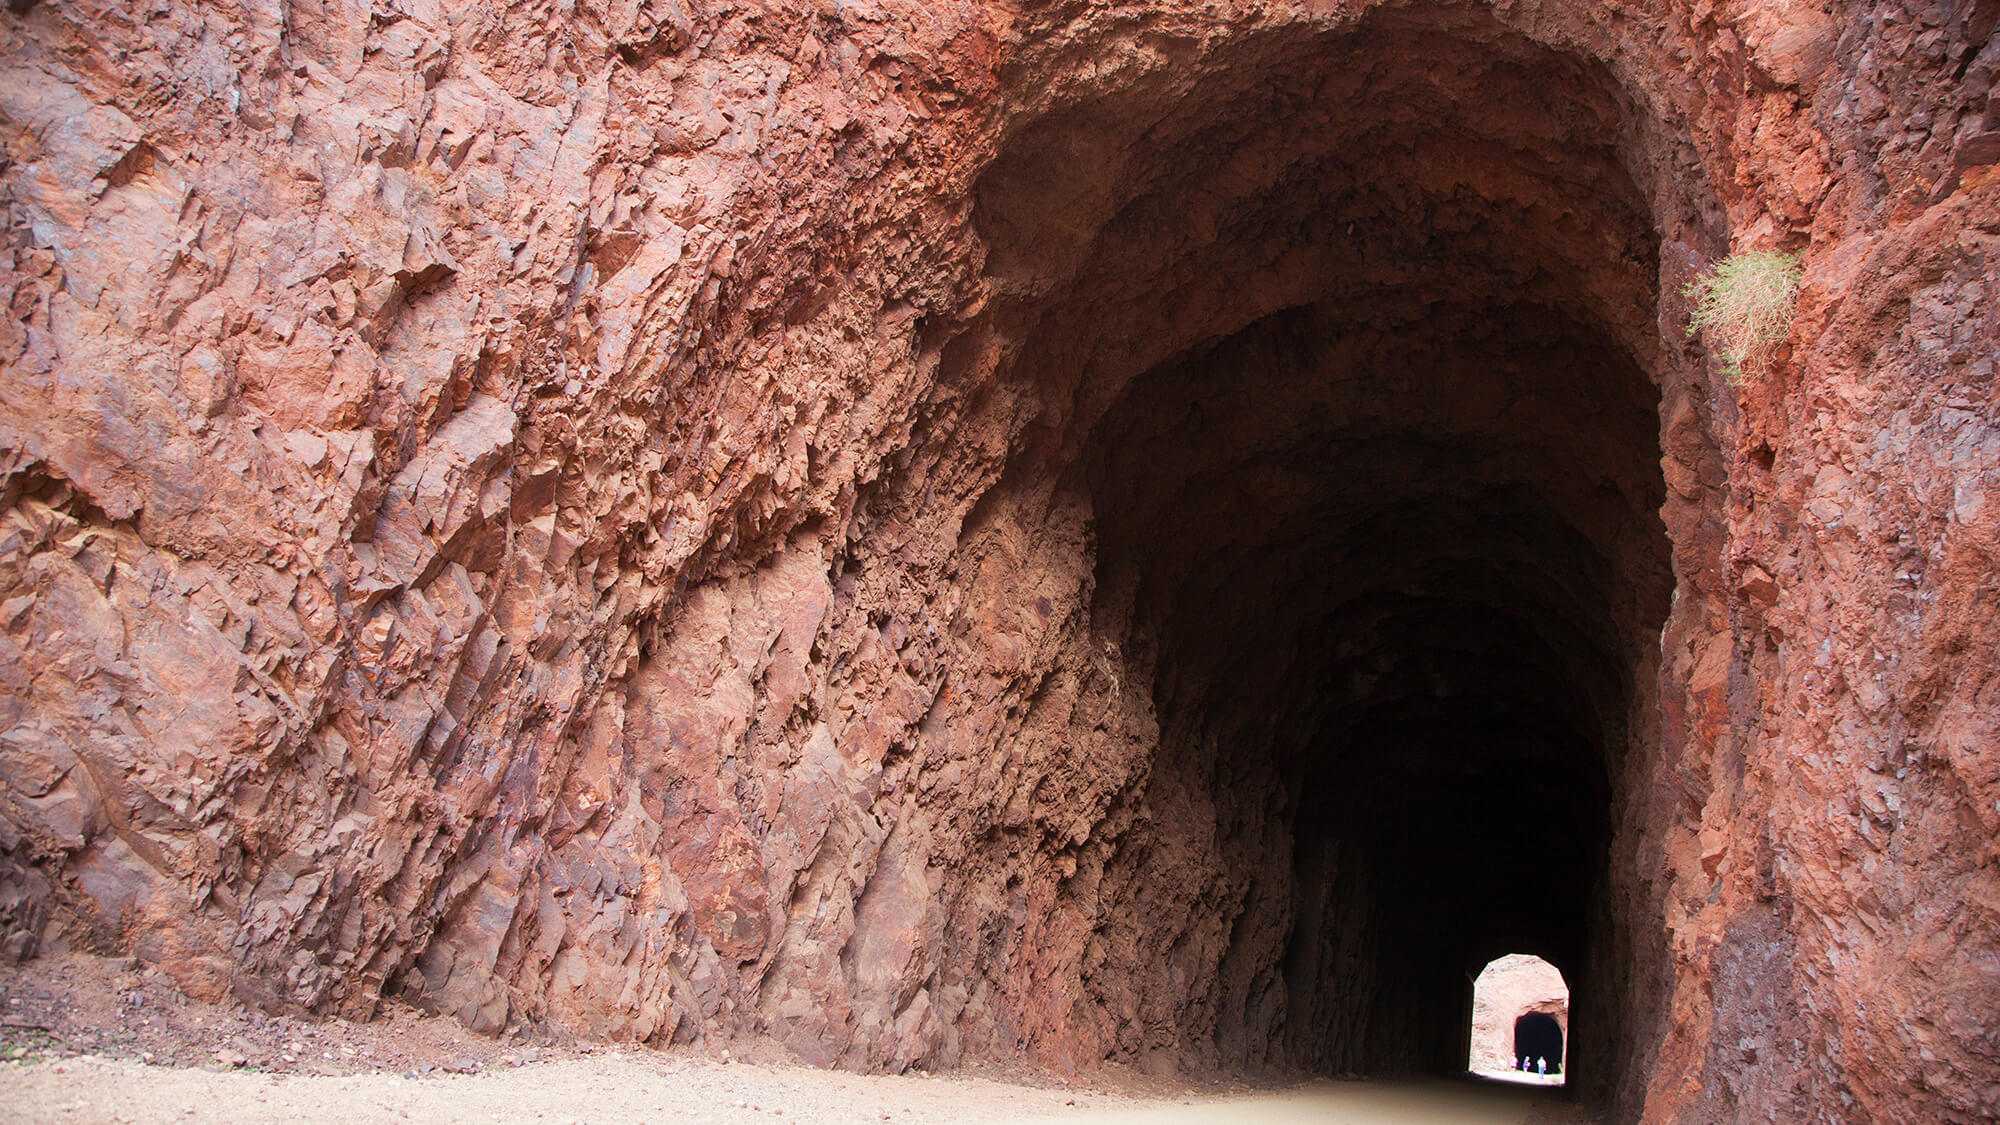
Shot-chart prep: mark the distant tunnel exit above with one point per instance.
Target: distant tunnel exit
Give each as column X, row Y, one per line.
column 1520, row 1020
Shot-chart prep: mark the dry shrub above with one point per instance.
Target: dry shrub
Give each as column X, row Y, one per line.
column 1743, row 307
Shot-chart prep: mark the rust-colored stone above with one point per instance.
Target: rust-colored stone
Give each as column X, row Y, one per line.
column 967, row 529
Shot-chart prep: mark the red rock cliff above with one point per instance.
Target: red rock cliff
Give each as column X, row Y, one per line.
column 949, row 529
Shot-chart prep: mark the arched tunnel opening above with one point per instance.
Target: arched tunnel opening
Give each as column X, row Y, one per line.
column 1349, row 349
column 1538, row 1042
column 1506, row 991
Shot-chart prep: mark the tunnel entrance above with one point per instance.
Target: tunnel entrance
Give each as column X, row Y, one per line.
column 1538, row 1043
column 1355, row 377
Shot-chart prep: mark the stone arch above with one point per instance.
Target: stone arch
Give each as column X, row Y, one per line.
column 1307, row 332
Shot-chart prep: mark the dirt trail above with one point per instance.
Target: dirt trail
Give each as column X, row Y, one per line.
column 647, row 1090
column 100, row 1040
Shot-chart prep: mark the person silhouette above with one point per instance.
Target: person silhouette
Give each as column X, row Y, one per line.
column 1542, row 1067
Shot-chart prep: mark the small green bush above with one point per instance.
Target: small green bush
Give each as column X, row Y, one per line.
column 1743, row 307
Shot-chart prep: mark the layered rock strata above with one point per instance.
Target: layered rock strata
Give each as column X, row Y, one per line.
column 970, row 529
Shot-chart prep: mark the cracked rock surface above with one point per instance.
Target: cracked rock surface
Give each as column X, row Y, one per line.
column 1087, row 531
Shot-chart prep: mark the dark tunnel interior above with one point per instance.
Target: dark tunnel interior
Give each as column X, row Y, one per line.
column 1382, row 569
column 1538, row 1038
column 1356, row 372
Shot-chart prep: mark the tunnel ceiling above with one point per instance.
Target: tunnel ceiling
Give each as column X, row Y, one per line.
column 1417, row 162
column 1353, row 369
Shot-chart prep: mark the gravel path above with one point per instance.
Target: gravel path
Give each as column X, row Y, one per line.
column 101, row 1041
column 612, row 1090
column 642, row 1090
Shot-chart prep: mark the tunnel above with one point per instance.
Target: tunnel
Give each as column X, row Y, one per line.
column 1067, row 535
column 1356, row 374
column 1538, row 1038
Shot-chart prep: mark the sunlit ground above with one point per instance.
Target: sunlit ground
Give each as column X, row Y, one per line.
column 1523, row 1077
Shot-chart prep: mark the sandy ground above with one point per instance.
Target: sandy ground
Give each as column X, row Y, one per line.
column 1520, row 1077
column 618, row 1090
column 95, row 1040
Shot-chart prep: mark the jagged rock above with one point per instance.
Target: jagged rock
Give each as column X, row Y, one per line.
column 1092, row 531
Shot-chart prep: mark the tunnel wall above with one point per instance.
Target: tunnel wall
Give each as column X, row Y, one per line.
column 580, row 516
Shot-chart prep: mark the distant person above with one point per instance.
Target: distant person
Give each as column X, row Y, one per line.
column 1542, row 1067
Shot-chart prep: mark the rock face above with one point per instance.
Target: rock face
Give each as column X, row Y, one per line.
column 967, row 529
column 1511, row 987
